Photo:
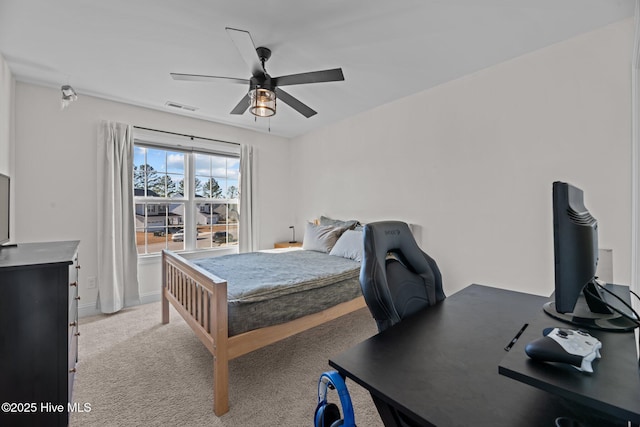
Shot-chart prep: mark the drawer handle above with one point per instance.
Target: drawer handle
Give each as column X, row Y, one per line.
column 78, row 267
column 72, row 370
column 73, row 284
column 78, row 297
column 73, row 324
column 77, row 334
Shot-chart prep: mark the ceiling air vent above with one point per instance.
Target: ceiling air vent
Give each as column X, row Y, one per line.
column 180, row 106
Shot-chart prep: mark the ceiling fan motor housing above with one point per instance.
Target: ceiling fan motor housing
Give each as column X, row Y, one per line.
column 264, row 53
column 262, row 82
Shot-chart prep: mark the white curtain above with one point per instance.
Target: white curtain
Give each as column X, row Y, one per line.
column 117, row 255
column 247, row 241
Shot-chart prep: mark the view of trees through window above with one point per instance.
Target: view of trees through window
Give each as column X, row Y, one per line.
column 184, row 200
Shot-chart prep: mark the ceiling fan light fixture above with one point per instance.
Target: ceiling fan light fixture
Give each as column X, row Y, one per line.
column 262, row 102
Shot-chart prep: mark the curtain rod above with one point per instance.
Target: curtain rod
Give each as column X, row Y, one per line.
column 188, row 136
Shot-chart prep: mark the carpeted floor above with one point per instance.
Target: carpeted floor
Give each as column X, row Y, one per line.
column 134, row 371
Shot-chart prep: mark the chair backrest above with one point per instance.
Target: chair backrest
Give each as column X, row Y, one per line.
column 397, row 278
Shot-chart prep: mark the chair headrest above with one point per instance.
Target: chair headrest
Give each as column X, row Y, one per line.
column 380, row 239
column 396, row 237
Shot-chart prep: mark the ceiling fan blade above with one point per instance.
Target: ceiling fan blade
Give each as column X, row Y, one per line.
column 243, row 41
column 333, row 75
column 295, row 103
column 242, row 105
column 202, row 78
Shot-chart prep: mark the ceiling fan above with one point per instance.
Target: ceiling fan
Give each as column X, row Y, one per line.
column 264, row 89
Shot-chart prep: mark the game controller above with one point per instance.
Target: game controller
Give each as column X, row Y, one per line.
column 574, row 347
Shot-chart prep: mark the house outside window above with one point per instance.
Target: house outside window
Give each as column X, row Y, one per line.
column 185, row 199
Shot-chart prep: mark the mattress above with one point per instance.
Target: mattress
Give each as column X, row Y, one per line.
column 270, row 288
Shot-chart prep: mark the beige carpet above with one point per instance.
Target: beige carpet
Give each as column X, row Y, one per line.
column 135, row 371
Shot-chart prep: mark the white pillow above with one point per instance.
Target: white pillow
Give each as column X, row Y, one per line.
column 320, row 238
column 350, row 245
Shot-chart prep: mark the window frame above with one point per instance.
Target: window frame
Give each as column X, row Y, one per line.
column 190, row 146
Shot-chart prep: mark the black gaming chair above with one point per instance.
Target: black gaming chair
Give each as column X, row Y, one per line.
column 396, row 277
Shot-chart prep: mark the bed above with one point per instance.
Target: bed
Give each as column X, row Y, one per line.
column 239, row 303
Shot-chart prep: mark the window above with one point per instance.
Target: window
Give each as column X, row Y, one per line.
column 185, row 200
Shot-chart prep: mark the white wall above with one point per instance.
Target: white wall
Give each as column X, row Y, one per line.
column 55, row 174
column 7, row 85
column 6, row 112
column 6, row 117
column 471, row 162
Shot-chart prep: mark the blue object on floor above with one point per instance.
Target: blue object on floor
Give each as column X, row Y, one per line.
column 328, row 414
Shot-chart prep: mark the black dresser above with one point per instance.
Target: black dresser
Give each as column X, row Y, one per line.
column 38, row 332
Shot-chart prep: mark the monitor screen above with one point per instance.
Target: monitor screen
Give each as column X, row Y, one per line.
column 578, row 298
column 4, row 209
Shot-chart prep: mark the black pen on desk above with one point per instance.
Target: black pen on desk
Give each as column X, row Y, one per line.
column 513, row 341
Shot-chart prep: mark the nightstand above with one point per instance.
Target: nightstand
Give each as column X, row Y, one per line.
column 287, row 245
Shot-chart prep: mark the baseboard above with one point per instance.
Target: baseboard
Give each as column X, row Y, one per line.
column 91, row 309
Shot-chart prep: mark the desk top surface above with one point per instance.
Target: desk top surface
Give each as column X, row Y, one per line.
column 441, row 366
column 609, row 388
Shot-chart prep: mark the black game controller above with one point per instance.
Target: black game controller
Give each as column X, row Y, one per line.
column 575, row 347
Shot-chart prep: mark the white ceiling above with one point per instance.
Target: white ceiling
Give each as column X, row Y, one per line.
column 124, row 50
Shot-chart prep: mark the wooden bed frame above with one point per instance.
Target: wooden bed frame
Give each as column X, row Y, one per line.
column 201, row 299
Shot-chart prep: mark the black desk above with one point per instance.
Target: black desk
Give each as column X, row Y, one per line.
column 614, row 386
column 440, row 367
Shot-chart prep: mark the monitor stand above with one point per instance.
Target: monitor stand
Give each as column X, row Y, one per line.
column 583, row 317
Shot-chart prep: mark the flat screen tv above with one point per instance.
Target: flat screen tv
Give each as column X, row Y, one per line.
column 578, row 298
column 4, row 209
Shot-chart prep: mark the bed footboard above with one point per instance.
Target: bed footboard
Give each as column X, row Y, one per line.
column 201, row 299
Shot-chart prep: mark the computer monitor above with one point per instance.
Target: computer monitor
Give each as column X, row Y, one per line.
column 578, row 299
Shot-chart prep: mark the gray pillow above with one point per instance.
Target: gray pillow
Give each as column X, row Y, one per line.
column 321, row 238
column 351, row 224
column 350, row 245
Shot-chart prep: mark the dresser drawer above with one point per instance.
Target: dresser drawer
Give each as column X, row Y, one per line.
column 73, row 332
column 73, row 270
column 73, row 302
column 72, row 322
column 73, row 290
column 73, row 359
